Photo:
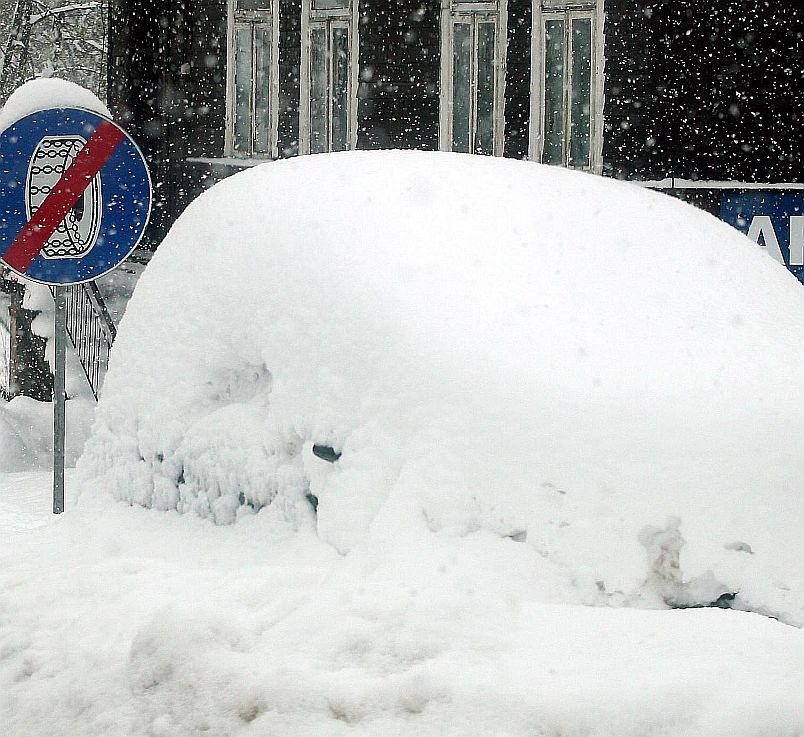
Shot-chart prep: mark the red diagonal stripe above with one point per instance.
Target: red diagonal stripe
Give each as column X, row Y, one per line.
column 62, row 198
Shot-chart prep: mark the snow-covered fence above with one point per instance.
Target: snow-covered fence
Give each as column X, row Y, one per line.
column 91, row 331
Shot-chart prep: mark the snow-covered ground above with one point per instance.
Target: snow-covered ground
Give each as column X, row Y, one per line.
column 25, row 502
column 116, row 620
column 564, row 406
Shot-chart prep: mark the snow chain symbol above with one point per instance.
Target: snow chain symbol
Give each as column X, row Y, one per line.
column 78, row 232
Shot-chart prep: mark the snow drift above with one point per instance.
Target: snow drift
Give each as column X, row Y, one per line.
column 497, row 350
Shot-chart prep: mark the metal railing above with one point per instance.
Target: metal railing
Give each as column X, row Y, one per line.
column 91, row 331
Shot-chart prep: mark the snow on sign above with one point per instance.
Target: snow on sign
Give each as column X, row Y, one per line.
column 773, row 220
column 75, row 196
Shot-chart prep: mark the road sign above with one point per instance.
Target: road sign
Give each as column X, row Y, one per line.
column 75, row 196
column 774, row 220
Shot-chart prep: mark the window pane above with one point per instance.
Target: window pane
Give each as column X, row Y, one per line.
column 242, row 112
column 553, row 92
column 461, row 87
column 253, row 4
column 484, row 136
column 318, row 91
column 330, row 4
column 262, row 92
column 340, row 89
column 581, row 118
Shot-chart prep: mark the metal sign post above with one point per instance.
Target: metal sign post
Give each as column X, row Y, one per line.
column 59, row 397
column 75, row 197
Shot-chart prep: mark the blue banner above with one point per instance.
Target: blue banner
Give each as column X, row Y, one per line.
column 774, row 220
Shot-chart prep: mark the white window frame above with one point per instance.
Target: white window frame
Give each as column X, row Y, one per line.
column 255, row 19
column 544, row 10
column 452, row 10
column 328, row 19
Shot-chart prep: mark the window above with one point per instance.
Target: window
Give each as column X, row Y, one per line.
column 252, row 78
column 329, row 76
column 473, row 43
column 567, row 79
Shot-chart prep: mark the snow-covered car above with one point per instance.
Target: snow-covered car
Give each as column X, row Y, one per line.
column 598, row 371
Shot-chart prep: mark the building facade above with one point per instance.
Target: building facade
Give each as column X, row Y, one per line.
column 684, row 95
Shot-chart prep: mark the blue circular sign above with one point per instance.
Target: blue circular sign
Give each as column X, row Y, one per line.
column 75, row 196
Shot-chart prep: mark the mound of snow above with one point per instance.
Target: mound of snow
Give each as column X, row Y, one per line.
column 497, row 350
column 48, row 92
